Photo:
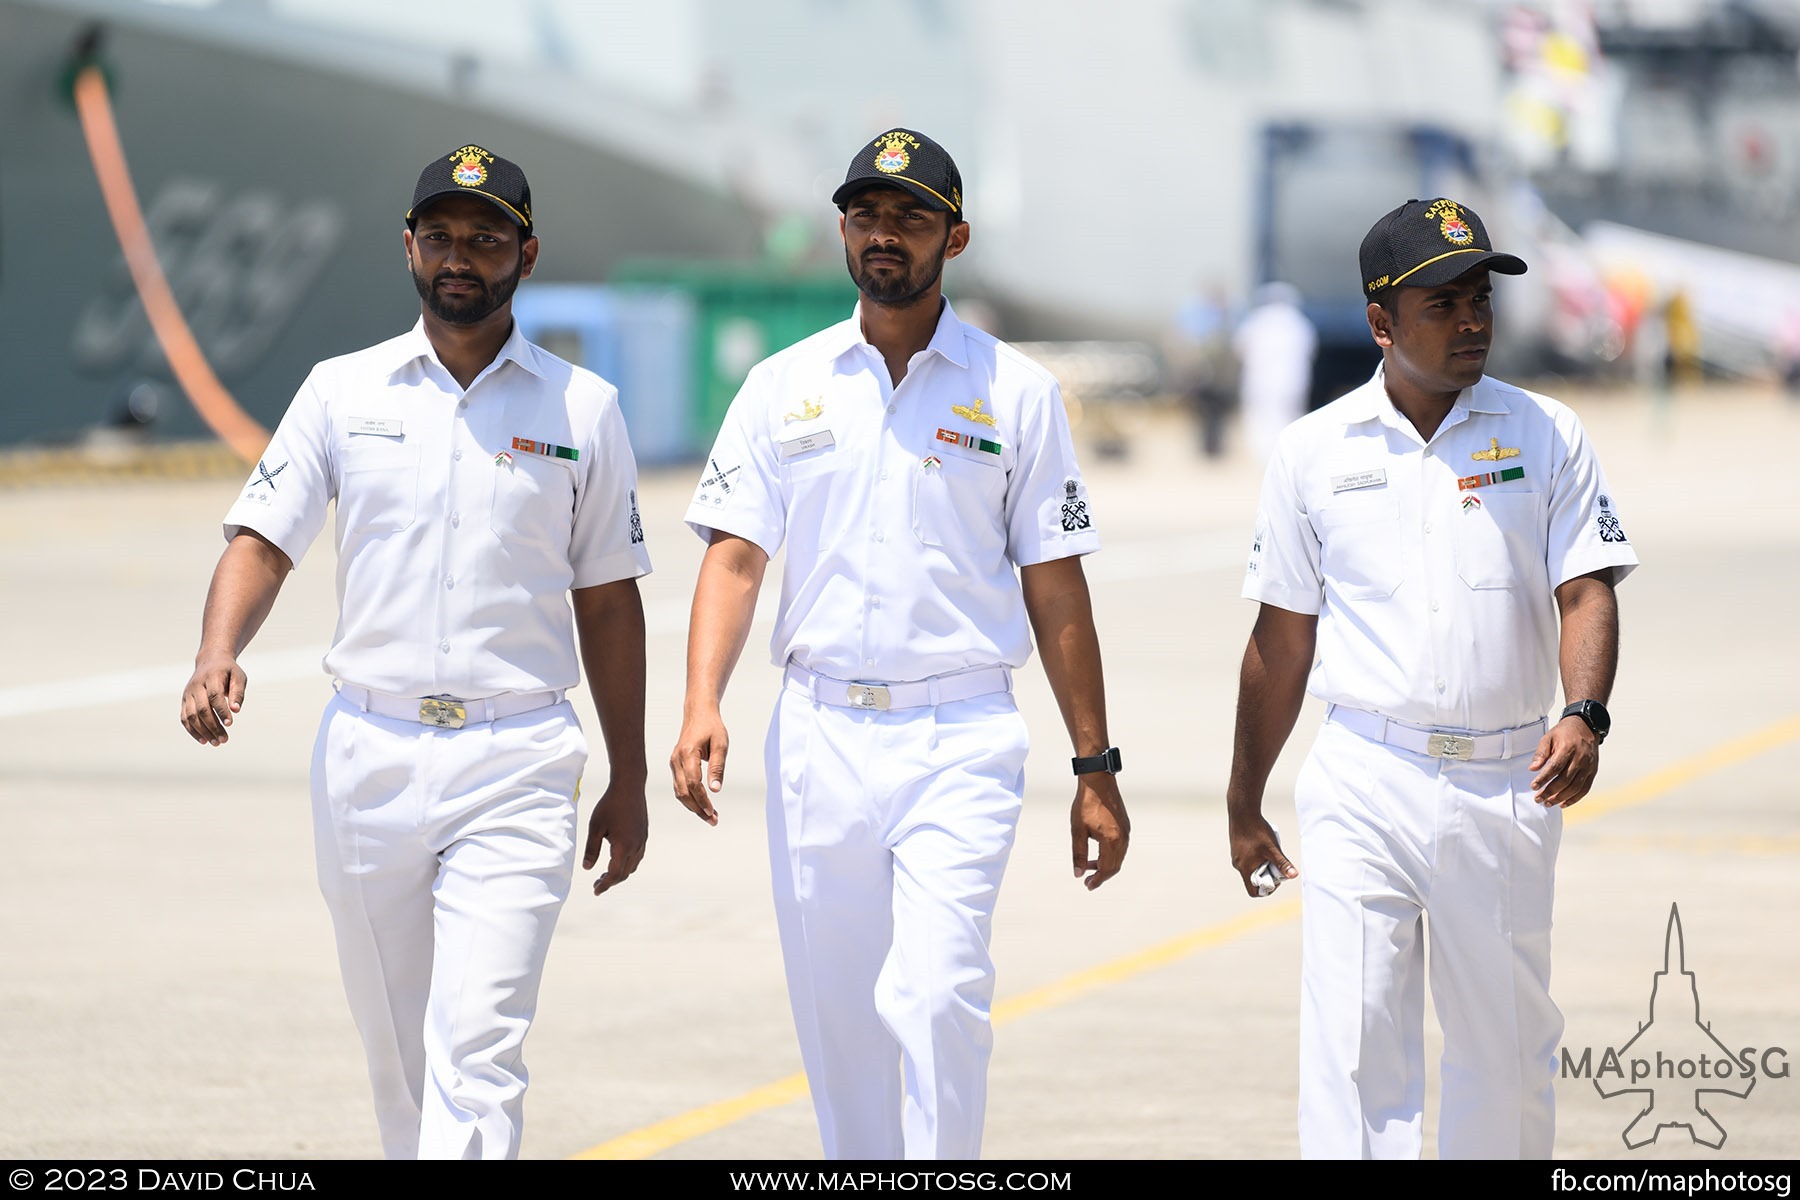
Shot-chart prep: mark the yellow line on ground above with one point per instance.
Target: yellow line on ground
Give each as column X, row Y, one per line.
column 1146, row 960
column 653, row 1139
column 1689, row 845
column 1685, row 771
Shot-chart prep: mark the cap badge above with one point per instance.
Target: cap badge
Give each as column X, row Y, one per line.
column 892, row 158
column 1456, row 231
column 466, row 167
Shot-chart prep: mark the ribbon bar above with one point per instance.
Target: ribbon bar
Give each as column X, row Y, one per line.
column 547, row 449
column 1469, row 482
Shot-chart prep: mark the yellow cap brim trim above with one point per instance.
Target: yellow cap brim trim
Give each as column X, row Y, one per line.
column 1396, row 282
column 522, row 219
column 933, row 191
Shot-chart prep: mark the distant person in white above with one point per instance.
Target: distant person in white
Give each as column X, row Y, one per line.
column 1275, row 346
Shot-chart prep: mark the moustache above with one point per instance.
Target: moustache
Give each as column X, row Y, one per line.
column 901, row 256
column 456, row 277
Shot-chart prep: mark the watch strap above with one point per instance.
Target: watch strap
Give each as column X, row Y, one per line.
column 1107, row 761
column 1593, row 714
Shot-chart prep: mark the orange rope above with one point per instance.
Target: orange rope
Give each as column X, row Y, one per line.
column 235, row 427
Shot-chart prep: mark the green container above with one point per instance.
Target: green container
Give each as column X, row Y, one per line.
column 743, row 312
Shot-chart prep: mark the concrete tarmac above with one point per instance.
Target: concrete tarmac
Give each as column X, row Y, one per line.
column 169, row 985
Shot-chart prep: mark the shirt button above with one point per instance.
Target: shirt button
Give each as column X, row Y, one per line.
column 444, row 645
column 1434, row 606
column 449, row 581
column 880, row 536
column 455, row 520
column 457, row 456
column 1440, row 685
column 868, row 662
column 874, row 601
column 1428, row 527
column 892, row 408
column 463, row 403
column 883, row 475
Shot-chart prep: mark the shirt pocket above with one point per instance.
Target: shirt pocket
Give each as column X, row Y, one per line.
column 959, row 504
column 1498, row 543
column 814, row 516
column 534, row 502
column 379, row 492
column 1360, row 553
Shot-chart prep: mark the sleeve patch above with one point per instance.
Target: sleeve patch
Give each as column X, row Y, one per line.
column 1607, row 522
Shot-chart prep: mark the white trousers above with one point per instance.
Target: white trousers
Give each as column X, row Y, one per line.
column 888, row 836
column 445, row 856
column 1392, row 842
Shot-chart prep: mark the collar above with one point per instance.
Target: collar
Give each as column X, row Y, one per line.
column 413, row 345
column 1370, row 402
column 948, row 341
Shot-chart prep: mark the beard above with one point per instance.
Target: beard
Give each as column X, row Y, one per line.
column 471, row 308
column 901, row 289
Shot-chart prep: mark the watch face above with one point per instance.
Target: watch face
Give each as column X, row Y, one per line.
column 1594, row 714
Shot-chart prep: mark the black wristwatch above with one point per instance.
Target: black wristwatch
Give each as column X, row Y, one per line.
column 1107, row 760
column 1594, row 714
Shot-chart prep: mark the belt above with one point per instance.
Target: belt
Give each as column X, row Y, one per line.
column 443, row 711
column 1462, row 745
column 920, row 693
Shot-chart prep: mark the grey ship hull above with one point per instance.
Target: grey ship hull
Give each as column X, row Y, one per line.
column 277, row 189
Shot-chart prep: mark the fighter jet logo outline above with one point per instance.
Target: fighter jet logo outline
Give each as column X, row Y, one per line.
column 1676, row 1103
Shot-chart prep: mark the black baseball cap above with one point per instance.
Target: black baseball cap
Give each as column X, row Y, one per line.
column 1424, row 243
column 904, row 159
column 473, row 171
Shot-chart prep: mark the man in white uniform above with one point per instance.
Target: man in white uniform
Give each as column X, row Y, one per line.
column 1275, row 345
column 482, row 485
column 1415, row 545
column 922, row 478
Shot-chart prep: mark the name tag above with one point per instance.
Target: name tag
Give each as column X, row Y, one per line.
column 812, row 441
column 1359, row 479
column 379, row 426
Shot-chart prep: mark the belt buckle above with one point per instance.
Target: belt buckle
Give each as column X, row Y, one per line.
column 868, row 695
column 1450, row 745
column 445, row 714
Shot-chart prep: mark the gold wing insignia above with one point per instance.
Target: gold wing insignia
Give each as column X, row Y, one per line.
column 812, row 408
column 1495, row 452
column 973, row 413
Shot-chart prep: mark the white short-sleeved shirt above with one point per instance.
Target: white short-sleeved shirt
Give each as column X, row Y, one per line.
column 1435, row 601
column 463, row 518
column 905, row 511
